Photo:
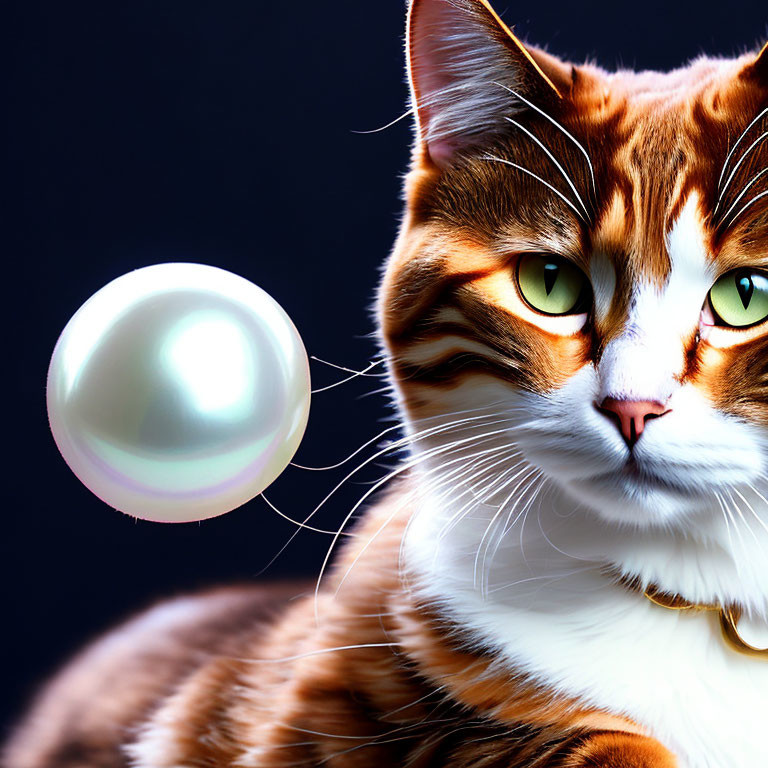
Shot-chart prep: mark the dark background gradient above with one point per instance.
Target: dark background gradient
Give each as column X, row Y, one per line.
column 144, row 131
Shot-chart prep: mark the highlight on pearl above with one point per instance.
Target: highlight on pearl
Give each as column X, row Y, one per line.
column 178, row 392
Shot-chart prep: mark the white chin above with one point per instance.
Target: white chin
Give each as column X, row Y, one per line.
column 639, row 503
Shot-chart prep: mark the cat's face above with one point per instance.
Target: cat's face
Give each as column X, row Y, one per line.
column 580, row 290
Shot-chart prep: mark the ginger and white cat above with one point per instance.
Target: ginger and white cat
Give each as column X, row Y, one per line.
column 575, row 317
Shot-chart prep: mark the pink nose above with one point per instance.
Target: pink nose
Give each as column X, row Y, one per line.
column 630, row 415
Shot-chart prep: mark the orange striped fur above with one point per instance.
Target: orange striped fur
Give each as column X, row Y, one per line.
column 208, row 684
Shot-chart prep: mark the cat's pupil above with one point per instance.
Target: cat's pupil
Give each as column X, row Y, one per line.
column 746, row 288
column 551, row 273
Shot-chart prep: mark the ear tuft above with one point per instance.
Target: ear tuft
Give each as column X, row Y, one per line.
column 463, row 61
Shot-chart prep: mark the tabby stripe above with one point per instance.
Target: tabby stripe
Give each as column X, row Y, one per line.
column 451, row 369
column 429, row 331
column 420, row 294
column 429, row 351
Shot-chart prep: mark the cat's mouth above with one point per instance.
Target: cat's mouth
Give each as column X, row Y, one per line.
column 632, row 470
column 639, row 477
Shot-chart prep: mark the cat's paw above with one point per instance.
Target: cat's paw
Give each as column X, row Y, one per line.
column 614, row 749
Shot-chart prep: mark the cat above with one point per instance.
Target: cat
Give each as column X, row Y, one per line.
column 570, row 567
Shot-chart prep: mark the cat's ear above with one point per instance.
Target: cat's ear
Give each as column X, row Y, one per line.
column 761, row 65
column 757, row 70
column 462, row 63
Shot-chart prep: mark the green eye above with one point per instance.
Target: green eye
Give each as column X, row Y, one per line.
column 551, row 285
column 740, row 298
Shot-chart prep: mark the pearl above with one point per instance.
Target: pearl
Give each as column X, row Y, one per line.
column 178, row 392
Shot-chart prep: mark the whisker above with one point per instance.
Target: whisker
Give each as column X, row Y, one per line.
column 547, row 578
column 378, row 391
column 352, row 455
column 737, row 509
column 474, row 501
column 738, row 141
column 379, row 740
column 483, row 493
column 553, row 159
column 482, row 549
column 296, row 522
column 485, row 573
column 736, row 167
column 368, row 738
column 413, row 703
column 367, row 544
column 526, row 511
column 388, row 125
column 738, row 533
column 476, row 470
column 509, row 496
column 294, row 744
column 750, row 203
column 763, row 499
column 744, row 192
column 754, row 514
column 408, row 465
column 559, row 127
column 343, row 381
column 344, row 368
column 721, row 502
column 551, row 543
column 457, row 474
column 556, row 191
column 296, row 728
column 318, row 652
column 392, row 447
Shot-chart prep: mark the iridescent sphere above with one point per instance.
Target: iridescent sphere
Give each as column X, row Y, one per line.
column 178, row 392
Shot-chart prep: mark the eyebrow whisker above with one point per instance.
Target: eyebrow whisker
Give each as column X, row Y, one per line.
column 559, row 127
column 744, row 192
column 738, row 141
column 553, row 159
column 493, row 158
column 736, row 167
column 750, row 203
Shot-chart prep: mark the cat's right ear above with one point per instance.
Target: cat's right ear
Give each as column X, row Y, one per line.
column 464, row 64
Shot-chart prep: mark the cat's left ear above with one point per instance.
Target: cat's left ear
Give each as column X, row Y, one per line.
column 758, row 69
column 463, row 61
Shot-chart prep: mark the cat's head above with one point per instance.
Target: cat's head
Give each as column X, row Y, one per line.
column 579, row 293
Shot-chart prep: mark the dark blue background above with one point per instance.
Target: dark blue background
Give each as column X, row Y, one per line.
column 221, row 132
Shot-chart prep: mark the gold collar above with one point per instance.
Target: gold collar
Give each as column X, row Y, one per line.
column 729, row 617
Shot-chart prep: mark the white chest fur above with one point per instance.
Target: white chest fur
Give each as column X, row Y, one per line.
column 554, row 615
